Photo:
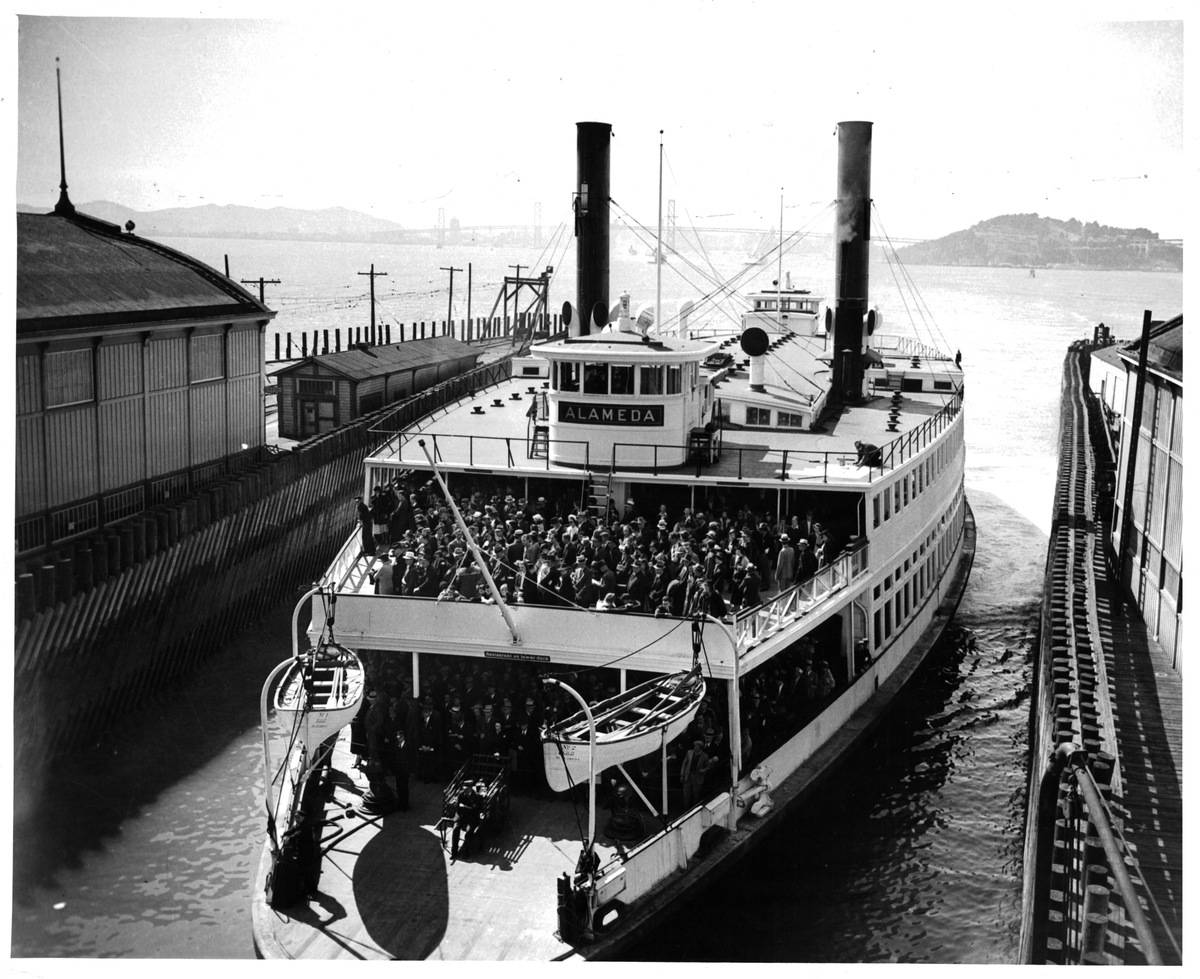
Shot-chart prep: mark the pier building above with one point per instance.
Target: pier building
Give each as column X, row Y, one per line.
column 138, row 369
column 1147, row 534
column 320, row 393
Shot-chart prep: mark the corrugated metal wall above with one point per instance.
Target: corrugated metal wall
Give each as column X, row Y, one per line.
column 245, row 351
column 166, row 365
column 119, row 366
column 166, row 435
column 31, row 477
column 29, row 383
column 71, row 454
column 122, row 443
column 208, row 422
column 245, row 412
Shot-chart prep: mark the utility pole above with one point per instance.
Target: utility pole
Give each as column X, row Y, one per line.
column 450, row 302
column 373, row 274
column 468, row 295
column 260, row 281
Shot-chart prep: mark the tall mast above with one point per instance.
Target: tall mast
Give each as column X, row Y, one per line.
column 779, row 269
column 658, row 247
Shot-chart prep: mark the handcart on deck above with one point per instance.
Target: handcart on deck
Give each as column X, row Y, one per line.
column 488, row 774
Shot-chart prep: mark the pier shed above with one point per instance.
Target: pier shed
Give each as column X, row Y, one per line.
column 139, row 375
column 1148, row 522
column 318, row 394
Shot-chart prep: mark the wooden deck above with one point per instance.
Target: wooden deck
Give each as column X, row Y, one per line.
column 389, row 890
column 1147, row 706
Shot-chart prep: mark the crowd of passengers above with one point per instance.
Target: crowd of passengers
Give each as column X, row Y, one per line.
column 552, row 552
column 469, row 707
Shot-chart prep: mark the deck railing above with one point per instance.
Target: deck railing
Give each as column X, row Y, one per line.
column 757, row 624
column 907, row 345
column 898, row 451
column 441, row 395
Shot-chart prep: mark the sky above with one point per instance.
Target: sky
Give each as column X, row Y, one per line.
column 1065, row 109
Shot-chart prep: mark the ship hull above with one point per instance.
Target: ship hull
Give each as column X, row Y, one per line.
column 798, row 767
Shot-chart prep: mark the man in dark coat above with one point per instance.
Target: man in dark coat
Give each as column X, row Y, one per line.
column 364, row 519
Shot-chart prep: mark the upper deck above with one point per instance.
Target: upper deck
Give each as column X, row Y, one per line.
column 757, row 436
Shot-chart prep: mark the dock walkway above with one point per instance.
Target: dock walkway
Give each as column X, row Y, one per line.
column 1103, row 851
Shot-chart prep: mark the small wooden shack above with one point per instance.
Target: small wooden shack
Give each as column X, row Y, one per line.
column 320, row 393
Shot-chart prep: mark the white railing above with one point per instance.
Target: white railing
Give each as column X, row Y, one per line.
column 757, row 624
column 349, row 569
column 907, row 345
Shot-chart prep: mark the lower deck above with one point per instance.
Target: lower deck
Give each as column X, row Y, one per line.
column 388, row 890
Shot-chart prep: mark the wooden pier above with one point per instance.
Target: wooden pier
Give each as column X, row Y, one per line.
column 1103, row 849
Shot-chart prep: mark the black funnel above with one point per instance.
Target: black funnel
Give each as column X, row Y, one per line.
column 591, row 222
column 852, row 233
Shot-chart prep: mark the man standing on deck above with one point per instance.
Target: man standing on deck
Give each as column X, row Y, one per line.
column 429, row 747
column 785, row 563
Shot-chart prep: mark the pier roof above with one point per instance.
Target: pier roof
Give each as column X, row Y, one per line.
column 75, row 269
column 360, row 363
column 1166, row 349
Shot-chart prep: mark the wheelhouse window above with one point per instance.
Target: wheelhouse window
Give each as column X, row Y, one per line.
column 674, row 380
column 568, row 376
column 621, row 379
column 790, row 419
column 758, row 416
column 652, row 380
column 595, row 378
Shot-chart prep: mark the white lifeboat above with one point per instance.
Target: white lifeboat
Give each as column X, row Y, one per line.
column 628, row 726
column 325, row 687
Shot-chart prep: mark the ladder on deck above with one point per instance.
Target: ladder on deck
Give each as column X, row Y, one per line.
column 598, row 494
column 539, row 423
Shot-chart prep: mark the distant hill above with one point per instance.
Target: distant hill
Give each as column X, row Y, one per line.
column 237, row 221
column 1034, row 241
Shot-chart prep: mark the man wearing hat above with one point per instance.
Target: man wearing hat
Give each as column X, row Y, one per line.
column 384, row 576
column 785, row 563
column 468, row 812
column 429, row 741
column 364, row 518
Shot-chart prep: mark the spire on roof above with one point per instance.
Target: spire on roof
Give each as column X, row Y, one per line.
column 64, row 205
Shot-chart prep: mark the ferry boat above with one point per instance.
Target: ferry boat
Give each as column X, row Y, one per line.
column 793, row 410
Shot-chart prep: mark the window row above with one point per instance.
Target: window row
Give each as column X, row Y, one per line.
column 904, row 591
column 71, row 377
column 788, row 305
column 907, row 488
column 783, row 419
column 597, row 378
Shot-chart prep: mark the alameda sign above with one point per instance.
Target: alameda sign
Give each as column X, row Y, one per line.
column 579, row 413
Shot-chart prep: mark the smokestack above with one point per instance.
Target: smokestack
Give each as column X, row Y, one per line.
column 853, row 236
column 591, row 223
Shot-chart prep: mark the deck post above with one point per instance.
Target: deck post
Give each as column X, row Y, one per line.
column 734, row 722
column 416, row 670
column 589, row 843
